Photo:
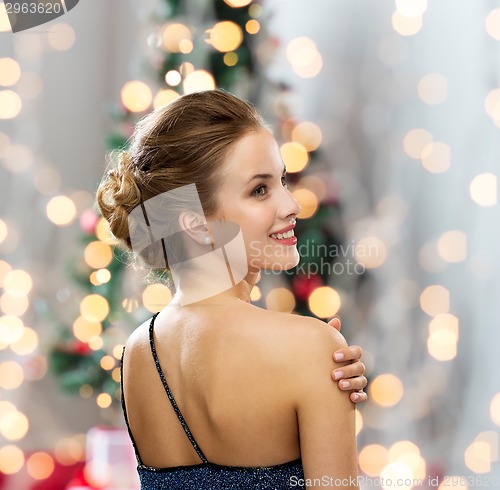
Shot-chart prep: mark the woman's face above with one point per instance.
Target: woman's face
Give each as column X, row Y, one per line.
column 254, row 195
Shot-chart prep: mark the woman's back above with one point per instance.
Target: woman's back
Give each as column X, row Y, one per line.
column 234, row 372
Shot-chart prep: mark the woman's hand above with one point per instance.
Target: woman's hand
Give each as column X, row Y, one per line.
column 350, row 377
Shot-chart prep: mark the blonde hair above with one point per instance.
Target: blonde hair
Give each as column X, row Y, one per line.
column 181, row 143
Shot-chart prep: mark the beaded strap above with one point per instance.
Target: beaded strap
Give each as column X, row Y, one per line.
column 169, row 393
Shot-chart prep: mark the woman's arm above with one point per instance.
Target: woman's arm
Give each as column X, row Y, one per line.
column 325, row 415
column 352, row 376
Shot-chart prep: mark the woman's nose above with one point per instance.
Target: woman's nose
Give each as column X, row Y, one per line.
column 290, row 204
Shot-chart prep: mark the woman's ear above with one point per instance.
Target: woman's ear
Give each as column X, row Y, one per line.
column 195, row 227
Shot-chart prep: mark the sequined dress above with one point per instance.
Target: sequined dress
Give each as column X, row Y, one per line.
column 207, row 475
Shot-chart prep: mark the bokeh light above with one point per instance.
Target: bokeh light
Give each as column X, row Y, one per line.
column 415, row 141
column 308, row 202
column 252, row 26
column 11, row 375
column 238, row 3
column 433, row 88
column 397, row 472
column 11, row 459
column 98, row 254
column 436, row 157
column 371, row 252
column 84, row 330
column 177, row 38
column 94, row 308
column 231, row 59
column 372, row 459
column 27, row 344
column 411, row 8
column 386, row 390
column 136, row 96
column 226, row 36
column 198, row 80
column 14, row 425
column 324, row 302
column 164, row 97
column 304, row 57
column 280, row 299
column 11, row 329
column 406, row 26
column 295, row 156
column 13, row 305
column 492, row 105
column 61, row 36
column 18, row 158
column 155, row 297
column 493, row 24
column 3, row 230
column 17, row 282
column 483, row 189
column 40, row 465
column 495, row 409
column 477, row 457
column 435, row 300
column 308, row 135
column 61, row 210
column 10, row 72
column 104, row 400
column 452, row 246
column 10, row 104
column 173, row 78
column 69, row 451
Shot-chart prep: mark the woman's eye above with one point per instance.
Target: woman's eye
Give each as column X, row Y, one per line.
column 260, row 191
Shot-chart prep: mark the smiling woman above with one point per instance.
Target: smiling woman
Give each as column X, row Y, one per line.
column 202, row 192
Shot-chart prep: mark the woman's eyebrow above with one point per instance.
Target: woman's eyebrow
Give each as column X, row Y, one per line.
column 264, row 176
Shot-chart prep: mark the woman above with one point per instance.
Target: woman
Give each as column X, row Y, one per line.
column 202, row 193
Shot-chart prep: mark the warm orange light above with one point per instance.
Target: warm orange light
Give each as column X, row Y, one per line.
column 280, row 299
column 104, row 400
column 372, row 459
column 175, row 38
column 295, row 156
column 483, row 189
column 94, row 308
column 324, row 302
column 308, row 135
column 226, row 36
column 155, row 297
column 84, row 329
column 386, row 390
column 40, row 465
column 308, row 202
column 198, row 80
column 11, row 459
column 136, row 96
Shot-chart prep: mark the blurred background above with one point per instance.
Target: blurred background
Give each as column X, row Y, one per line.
column 387, row 114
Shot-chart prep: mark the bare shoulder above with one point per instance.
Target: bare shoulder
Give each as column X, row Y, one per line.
column 138, row 341
column 304, row 336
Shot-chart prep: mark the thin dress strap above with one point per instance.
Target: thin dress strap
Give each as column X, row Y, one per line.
column 169, row 393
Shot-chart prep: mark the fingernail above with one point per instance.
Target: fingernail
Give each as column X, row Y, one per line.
column 344, row 384
column 339, row 374
column 339, row 356
column 356, row 397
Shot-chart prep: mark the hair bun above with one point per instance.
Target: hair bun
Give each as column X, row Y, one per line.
column 118, row 194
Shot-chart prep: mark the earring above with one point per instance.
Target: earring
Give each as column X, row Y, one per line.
column 207, row 240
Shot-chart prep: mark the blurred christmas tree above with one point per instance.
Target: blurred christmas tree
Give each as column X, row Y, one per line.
column 195, row 47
